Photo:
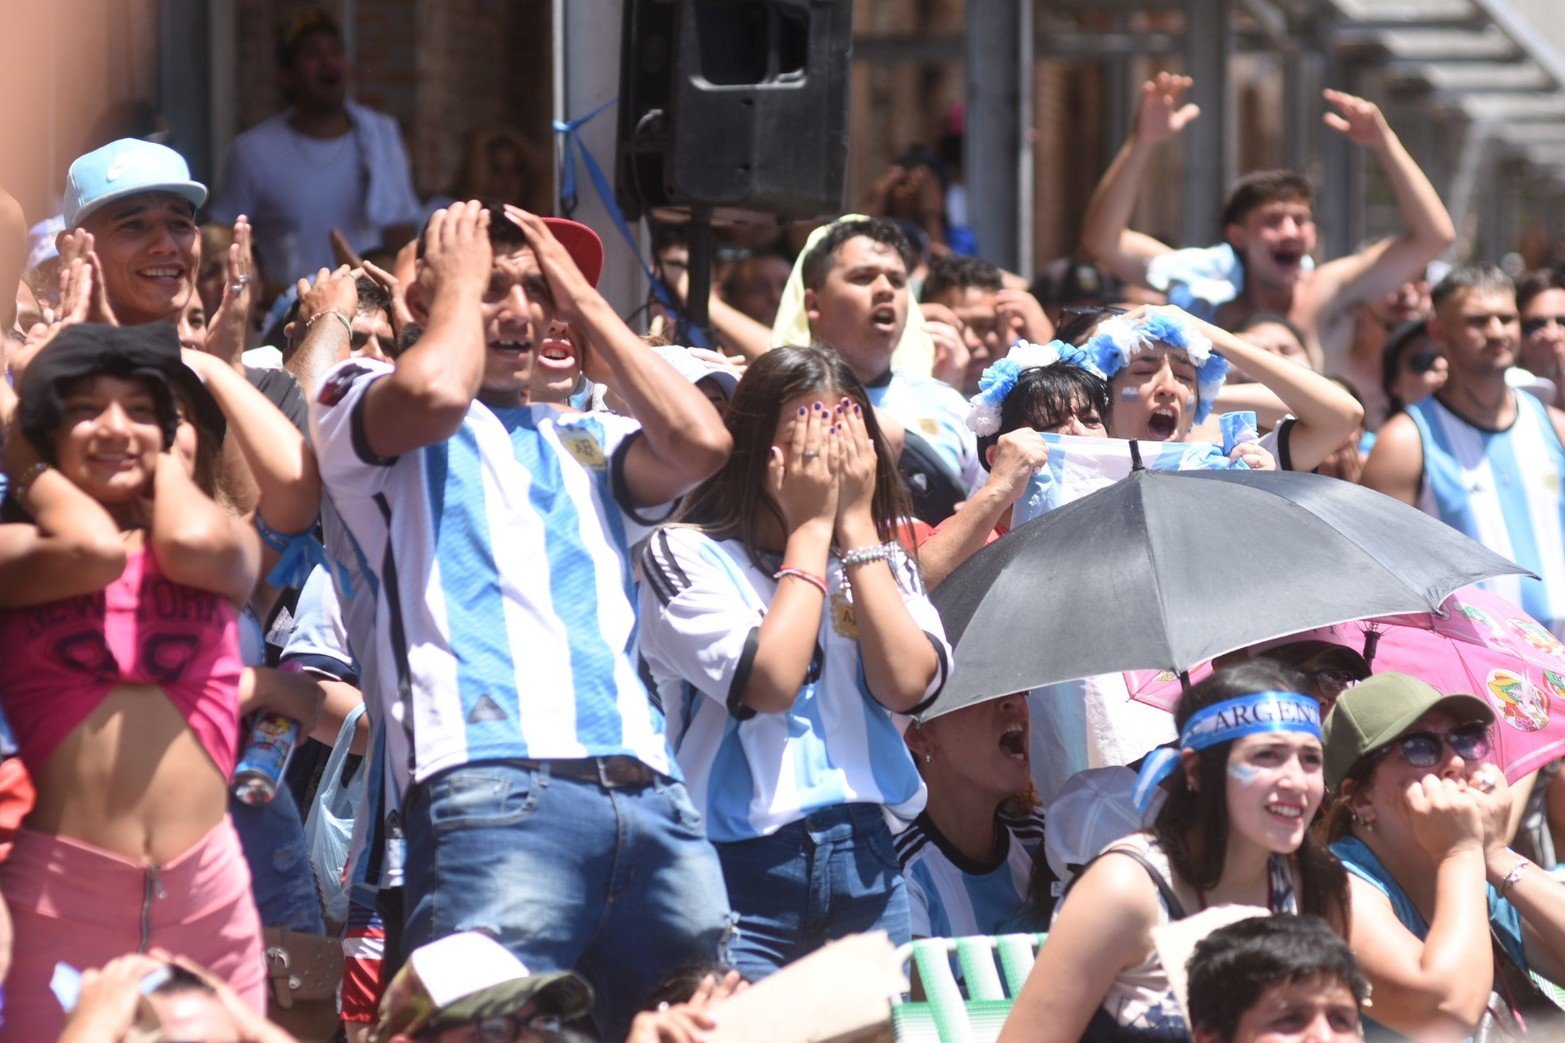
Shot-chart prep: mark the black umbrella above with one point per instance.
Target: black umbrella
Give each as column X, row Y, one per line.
column 1167, row 569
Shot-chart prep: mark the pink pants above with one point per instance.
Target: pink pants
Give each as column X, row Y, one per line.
column 77, row 904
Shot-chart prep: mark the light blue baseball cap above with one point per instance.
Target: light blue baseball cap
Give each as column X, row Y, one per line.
column 127, row 167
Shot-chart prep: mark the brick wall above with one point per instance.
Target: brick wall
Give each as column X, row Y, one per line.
column 443, row 68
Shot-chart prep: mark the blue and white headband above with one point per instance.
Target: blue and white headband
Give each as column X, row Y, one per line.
column 1223, row 722
column 1118, row 340
column 998, row 380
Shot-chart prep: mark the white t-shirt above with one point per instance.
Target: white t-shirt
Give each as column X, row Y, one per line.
column 296, row 189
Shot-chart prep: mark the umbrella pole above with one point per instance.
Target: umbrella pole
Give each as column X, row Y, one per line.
column 1135, row 457
column 1184, row 675
column 1371, row 642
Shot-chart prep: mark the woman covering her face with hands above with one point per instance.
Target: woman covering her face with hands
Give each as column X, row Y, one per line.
column 1421, row 823
column 785, row 627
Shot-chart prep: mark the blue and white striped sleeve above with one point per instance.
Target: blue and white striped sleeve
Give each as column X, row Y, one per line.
column 700, row 617
column 337, row 429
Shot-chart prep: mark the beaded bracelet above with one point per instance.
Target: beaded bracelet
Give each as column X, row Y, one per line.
column 865, row 555
column 808, row 577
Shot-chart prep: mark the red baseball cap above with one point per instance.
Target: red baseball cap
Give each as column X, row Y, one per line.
column 582, row 243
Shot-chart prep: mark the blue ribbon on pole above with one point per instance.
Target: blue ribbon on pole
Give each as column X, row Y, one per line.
column 571, row 129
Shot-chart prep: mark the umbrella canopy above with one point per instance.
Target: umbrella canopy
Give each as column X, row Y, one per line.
column 1167, row 569
column 1478, row 644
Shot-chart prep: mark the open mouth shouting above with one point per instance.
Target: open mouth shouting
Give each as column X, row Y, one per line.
column 556, row 353
column 1288, row 258
column 1013, row 742
column 884, row 319
column 1163, row 424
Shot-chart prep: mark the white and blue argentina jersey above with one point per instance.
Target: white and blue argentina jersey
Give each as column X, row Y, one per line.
column 504, row 623
column 951, row 896
column 938, row 412
column 1502, row 488
column 702, row 602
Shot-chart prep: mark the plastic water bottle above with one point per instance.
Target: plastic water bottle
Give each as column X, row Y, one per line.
column 267, row 750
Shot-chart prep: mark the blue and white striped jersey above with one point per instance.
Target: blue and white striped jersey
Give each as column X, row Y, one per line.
column 950, row 896
column 1502, row 488
column 702, row 602
column 504, row 623
column 938, row 412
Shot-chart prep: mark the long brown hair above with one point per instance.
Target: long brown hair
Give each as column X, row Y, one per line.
column 731, row 503
column 1192, row 825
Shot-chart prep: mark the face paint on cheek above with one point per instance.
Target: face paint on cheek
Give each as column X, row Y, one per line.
column 1190, row 403
column 1130, row 394
column 1242, row 773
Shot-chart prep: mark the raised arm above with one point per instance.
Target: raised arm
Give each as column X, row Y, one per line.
column 280, row 461
column 735, row 329
column 73, row 546
column 1442, row 983
column 1105, row 231
column 1326, row 413
column 1018, row 455
column 899, row 662
column 324, row 326
column 229, row 329
column 426, row 396
column 1384, row 265
column 683, row 438
column 197, row 542
column 805, row 489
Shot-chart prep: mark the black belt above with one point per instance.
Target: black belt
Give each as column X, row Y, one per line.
column 608, row 772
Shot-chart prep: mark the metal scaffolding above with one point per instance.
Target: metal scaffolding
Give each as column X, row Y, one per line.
column 1476, row 89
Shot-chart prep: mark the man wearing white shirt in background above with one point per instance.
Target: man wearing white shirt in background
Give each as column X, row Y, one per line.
column 325, row 163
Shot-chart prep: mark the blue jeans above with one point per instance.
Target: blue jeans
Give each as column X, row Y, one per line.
column 272, row 836
column 619, row 884
column 827, row 875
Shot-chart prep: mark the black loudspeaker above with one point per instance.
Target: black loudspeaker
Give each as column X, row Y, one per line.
column 740, row 106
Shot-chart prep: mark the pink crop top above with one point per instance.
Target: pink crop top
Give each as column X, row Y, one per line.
column 61, row 659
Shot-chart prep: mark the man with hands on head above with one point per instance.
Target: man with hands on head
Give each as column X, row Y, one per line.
column 498, row 536
column 990, row 316
column 1268, row 223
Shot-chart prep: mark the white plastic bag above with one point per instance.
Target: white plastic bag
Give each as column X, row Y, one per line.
column 329, row 826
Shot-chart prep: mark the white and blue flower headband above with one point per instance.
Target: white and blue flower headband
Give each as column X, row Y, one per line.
column 1118, row 340
column 999, row 379
column 1223, row 722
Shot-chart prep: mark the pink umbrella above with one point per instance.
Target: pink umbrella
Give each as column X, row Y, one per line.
column 1481, row 645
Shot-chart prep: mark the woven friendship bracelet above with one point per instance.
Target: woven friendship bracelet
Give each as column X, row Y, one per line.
column 808, row 577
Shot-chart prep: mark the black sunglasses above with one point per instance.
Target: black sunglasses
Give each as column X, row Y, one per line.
column 1422, row 749
column 1423, row 360
column 1538, row 323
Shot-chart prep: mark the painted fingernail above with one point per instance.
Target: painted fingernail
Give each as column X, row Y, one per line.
column 802, row 410
column 858, row 410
